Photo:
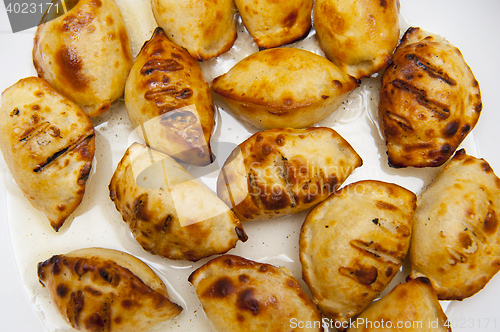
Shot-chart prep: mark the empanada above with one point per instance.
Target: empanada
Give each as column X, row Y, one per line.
column 429, row 101
column 85, row 54
column 242, row 295
column 205, row 28
column 168, row 98
column 274, row 23
column 48, row 144
column 170, row 213
column 358, row 36
column 99, row 289
column 353, row 244
column 409, row 307
column 456, row 238
column 283, row 87
column 284, row 171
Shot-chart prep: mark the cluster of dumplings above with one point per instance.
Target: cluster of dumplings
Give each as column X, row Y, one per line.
column 353, row 241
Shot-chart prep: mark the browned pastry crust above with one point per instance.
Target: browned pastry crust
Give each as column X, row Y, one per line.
column 179, row 218
column 275, row 23
column 353, row 244
column 85, row 54
column 98, row 289
column 456, row 238
column 429, row 101
column 48, row 144
column 284, row 87
column 167, row 96
column 359, row 36
column 205, row 28
column 409, row 307
column 284, row 171
column 242, row 295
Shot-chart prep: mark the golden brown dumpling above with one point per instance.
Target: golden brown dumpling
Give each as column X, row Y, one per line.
column 353, row 244
column 284, row 171
column 242, row 295
column 48, row 144
column 358, row 36
column 456, row 238
column 429, row 101
column 97, row 289
column 205, row 28
column 170, row 213
column 409, row 307
column 85, row 54
column 167, row 97
column 274, row 23
column 283, row 87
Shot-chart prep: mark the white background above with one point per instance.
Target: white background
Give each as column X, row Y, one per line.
column 473, row 26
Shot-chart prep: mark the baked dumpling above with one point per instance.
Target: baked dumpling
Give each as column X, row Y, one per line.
column 283, row 87
column 167, row 96
column 456, row 238
column 48, row 144
column 205, row 28
column 274, row 23
column 170, row 213
column 85, row 54
column 97, row 289
column 429, row 101
column 284, row 171
column 409, row 307
column 358, row 36
column 242, row 295
column 353, row 244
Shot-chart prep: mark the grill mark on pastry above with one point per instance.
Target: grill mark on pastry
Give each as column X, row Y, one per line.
column 361, row 245
column 478, row 233
column 254, row 189
column 50, row 160
column 457, row 256
column 161, row 234
column 161, row 65
column 282, row 169
column 436, row 107
column 34, row 131
column 402, row 122
column 431, row 70
column 158, row 94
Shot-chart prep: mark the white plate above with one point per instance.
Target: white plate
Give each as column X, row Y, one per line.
column 474, row 29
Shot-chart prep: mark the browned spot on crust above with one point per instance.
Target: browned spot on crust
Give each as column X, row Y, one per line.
column 337, row 84
column 140, row 208
column 385, row 206
column 71, row 66
column 490, row 223
column 291, row 19
column 247, row 301
column 14, row 112
column 243, row 278
column 75, row 22
column 451, row 128
column 125, row 43
column 221, row 288
column 62, row 290
column 96, row 3
column 465, row 240
column 366, row 275
column 383, row 3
